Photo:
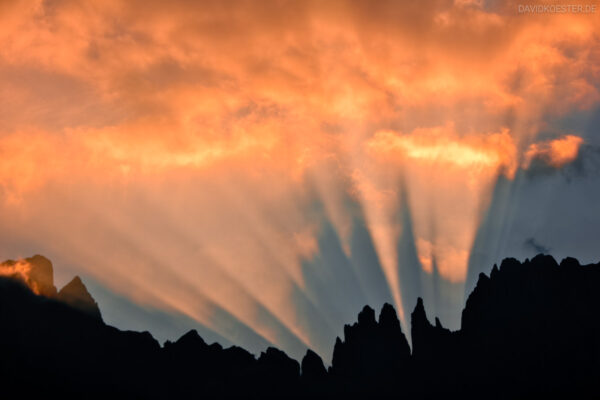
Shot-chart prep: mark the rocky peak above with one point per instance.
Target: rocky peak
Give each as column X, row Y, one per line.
column 191, row 339
column 544, row 261
column 36, row 272
column 42, row 274
column 428, row 340
column 495, row 272
column 313, row 368
column 570, row 262
column 388, row 318
column 279, row 365
column 375, row 351
column 76, row 295
column 418, row 317
column 367, row 317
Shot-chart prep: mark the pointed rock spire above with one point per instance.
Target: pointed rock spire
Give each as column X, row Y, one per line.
column 367, row 316
column 76, row 295
column 495, row 272
column 419, row 316
column 421, row 331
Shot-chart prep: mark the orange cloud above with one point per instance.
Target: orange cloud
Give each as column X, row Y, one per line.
column 21, row 270
column 554, row 153
column 441, row 145
column 448, row 177
column 233, row 116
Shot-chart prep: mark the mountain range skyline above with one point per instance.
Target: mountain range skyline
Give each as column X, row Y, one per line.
column 37, row 273
column 518, row 337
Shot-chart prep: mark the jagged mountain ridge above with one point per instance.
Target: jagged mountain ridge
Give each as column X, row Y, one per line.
column 529, row 329
column 37, row 273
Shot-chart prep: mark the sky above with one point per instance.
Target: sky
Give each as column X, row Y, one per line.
column 260, row 171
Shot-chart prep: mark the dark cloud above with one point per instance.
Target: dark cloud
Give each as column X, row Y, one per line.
column 587, row 163
column 531, row 243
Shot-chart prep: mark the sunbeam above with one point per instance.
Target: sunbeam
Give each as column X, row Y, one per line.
column 268, row 169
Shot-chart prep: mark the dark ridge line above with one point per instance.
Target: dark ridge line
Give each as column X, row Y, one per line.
column 528, row 329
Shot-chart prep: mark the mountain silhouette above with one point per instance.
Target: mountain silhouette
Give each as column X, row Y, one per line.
column 76, row 295
column 528, row 330
column 373, row 354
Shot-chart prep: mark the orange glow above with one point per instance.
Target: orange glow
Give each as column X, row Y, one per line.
column 494, row 151
column 555, row 153
column 19, row 269
column 179, row 150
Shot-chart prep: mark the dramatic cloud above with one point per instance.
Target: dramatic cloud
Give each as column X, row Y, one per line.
column 266, row 167
column 555, row 153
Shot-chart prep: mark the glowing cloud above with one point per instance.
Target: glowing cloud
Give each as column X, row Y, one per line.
column 495, row 152
column 20, row 270
column 554, row 153
column 192, row 155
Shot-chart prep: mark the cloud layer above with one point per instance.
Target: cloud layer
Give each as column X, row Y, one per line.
column 222, row 159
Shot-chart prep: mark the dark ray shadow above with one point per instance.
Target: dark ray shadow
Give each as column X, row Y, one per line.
column 118, row 310
column 330, row 278
column 339, row 283
column 410, row 271
column 367, row 264
column 490, row 232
